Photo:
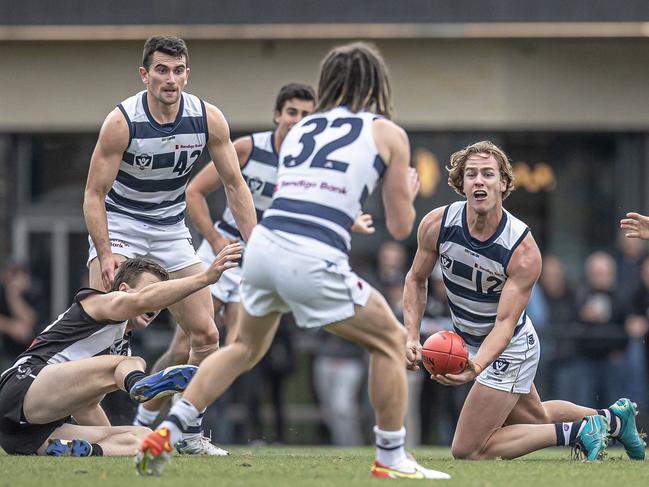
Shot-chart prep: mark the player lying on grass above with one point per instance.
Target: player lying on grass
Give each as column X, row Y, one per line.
column 490, row 262
column 84, row 355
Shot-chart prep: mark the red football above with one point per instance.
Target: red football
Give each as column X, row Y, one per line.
column 444, row 353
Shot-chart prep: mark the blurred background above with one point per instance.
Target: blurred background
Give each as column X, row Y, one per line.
column 560, row 85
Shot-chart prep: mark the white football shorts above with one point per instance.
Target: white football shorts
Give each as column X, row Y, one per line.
column 169, row 245
column 515, row 369
column 226, row 289
column 300, row 275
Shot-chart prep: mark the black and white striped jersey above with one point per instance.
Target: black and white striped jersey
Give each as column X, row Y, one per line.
column 75, row 335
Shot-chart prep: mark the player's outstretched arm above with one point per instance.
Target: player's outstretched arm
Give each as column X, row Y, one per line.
column 206, row 182
column 401, row 184
column 636, row 225
column 104, row 165
column 226, row 162
column 415, row 290
column 121, row 305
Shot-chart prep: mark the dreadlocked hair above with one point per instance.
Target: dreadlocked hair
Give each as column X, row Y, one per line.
column 355, row 76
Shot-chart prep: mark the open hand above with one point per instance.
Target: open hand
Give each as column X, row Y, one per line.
column 226, row 259
column 636, row 226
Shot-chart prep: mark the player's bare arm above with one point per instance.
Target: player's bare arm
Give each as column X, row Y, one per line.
column 121, row 305
column 104, row 165
column 226, row 162
column 207, row 181
column 400, row 184
column 523, row 271
column 416, row 285
column 635, row 225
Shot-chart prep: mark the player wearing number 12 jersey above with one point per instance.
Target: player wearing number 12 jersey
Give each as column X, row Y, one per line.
column 490, row 262
column 296, row 259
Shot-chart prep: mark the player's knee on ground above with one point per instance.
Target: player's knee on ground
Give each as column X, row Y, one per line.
column 465, row 451
column 198, row 354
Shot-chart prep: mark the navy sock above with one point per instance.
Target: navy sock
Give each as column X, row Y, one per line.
column 614, row 422
column 132, row 378
column 567, row 432
column 97, row 451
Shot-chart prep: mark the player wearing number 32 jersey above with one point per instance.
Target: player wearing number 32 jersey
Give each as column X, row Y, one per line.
column 296, row 259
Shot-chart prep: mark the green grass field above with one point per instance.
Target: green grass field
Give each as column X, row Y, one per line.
column 321, row 467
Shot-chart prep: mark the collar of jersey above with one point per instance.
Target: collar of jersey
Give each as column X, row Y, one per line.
column 474, row 242
column 164, row 127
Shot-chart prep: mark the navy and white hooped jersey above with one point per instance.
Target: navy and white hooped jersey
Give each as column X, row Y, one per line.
column 260, row 172
column 153, row 174
column 328, row 165
column 475, row 272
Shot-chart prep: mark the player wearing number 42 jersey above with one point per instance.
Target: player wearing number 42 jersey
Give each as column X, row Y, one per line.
column 296, row 259
column 490, row 262
column 135, row 195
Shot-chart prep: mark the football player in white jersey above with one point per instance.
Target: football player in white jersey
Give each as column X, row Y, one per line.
column 134, row 197
column 294, row 101
column 490, row 263
column 296, row 259
column 84, row 355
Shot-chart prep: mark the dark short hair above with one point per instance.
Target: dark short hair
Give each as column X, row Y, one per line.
column 130, row 271
column 293, row 90
column 174, row 46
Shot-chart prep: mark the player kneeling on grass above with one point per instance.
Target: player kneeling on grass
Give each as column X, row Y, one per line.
column 84, row 355
column 490, row 262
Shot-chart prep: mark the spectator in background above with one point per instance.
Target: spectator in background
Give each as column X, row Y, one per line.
column 269, row 377
column 601, row 310
column 562, row 366
column 18, row 316
column 339, row 371
column 389, row 268
column 629, row 254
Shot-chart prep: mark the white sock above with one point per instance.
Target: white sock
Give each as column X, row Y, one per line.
column 144, row 416
column 180, row 416
column 390, row 449
column 194, row 427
